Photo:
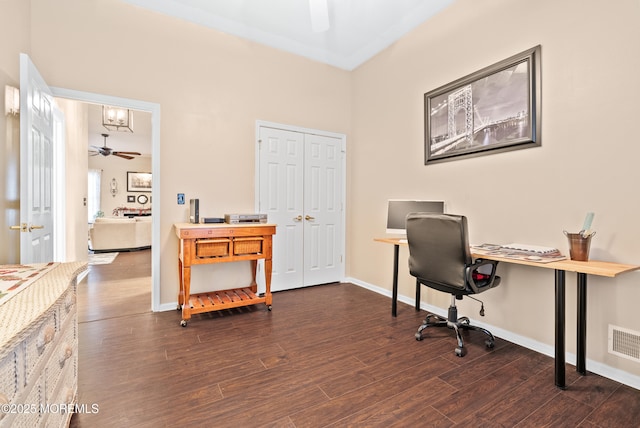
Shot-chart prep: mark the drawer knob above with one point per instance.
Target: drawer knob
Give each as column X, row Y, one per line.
column 66, row 354
column 47, row 336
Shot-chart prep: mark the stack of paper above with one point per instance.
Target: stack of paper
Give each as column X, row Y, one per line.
column 530, row 248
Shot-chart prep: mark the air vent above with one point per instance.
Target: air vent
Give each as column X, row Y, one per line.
column 624, row 343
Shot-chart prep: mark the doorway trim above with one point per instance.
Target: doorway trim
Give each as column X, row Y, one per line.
column 154, row 109
column 302, row 130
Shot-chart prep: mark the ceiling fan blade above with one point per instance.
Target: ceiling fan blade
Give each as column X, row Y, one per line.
column 319, row 15
column 93, row 153
column 119, row 154
column 126, row 153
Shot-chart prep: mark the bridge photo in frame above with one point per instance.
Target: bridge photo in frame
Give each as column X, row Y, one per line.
column 492, row 110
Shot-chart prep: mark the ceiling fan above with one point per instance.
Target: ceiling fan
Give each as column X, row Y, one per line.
column 106, row 151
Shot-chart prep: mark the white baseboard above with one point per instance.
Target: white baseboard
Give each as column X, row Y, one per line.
column 168, row 307
column 604, row 370
column 82, row 275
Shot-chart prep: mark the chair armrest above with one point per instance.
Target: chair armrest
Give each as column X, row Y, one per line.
column 490, row 282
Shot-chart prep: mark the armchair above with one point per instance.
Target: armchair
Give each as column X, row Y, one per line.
column 439, row 257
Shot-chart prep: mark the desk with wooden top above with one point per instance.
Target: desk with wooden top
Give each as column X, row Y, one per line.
column 222, row 243
column 582, row 269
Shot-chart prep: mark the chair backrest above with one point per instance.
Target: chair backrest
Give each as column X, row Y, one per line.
column 439, row 250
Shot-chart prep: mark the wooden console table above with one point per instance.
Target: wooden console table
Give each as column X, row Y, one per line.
column 222, row 243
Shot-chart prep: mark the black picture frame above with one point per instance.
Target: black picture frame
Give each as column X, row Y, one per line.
column 493, row 110
column 131, row 198
column 138, row 181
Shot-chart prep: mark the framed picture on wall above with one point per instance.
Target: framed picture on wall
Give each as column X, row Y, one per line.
column 493, row 110
column 131, row 198
column 138, row 181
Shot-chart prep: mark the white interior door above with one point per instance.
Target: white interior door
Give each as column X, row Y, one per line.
column 300, row 188
column 36, row 165
column 322, row 209
column 281, row 180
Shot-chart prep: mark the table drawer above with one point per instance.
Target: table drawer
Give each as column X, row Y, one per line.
column 250, row 245
column 218, row 247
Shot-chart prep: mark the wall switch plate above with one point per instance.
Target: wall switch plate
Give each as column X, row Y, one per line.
column 180, row 198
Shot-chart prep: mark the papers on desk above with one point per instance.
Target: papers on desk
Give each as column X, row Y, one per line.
column 537, row 249
column 532, row 253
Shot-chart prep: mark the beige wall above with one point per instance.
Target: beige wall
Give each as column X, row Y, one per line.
column 76, row 160
column 588, row 160
column 213, row 87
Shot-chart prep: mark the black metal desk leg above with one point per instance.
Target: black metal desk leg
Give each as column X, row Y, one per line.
column 560, row 328
column 394, row 291
column 581, row 366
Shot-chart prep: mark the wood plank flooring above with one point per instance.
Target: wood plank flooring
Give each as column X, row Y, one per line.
column 326, row 356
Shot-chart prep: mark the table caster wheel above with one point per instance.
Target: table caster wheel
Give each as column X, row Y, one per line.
column 269, row 308
column 179, row 308
column 460, row 352
column 489, row 344
column 183, row 323
column 418, row 337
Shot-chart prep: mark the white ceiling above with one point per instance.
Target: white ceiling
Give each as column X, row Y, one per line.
column 358, row 29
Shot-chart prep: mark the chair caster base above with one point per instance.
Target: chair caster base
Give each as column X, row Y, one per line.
column 457, row 324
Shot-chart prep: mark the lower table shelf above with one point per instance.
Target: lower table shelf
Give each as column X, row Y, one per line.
column 223, row 299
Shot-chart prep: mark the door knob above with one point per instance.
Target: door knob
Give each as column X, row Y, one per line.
column 299, row 218
column 308, row 217
column 32, row 227
column 22, row 227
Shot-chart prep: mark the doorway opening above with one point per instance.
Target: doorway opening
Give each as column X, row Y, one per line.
column 154, row 110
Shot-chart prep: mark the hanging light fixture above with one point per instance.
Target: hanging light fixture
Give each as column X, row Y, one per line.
column 117, row 119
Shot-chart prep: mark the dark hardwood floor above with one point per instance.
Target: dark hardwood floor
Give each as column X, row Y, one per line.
column 329, row 355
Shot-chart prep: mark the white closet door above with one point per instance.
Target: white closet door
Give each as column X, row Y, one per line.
column 322, row 209
column 300, row 188
column 281, row 180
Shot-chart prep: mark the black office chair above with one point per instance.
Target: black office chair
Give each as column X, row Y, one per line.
column 439, row 258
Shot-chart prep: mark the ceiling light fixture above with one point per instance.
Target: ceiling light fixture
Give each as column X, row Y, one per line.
column 319, row 15
column 117, row 119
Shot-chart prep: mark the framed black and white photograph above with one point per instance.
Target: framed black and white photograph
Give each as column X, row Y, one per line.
column 493, row 110
column 138, row 181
